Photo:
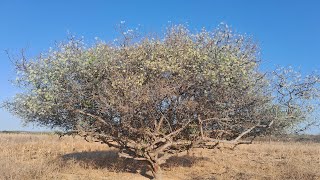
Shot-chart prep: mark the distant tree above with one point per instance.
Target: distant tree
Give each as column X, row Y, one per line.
column 155, row 97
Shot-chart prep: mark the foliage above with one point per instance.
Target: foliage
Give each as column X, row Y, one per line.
column 154, row 97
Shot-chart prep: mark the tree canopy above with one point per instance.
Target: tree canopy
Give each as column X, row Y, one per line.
column 153, row 97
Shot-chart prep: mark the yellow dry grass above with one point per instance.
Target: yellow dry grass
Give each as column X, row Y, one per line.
column 34, row 156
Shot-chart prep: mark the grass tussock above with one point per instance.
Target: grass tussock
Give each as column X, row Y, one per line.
column 45, row 156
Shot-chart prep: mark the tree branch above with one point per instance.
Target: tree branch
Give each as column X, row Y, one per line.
column 92, row 115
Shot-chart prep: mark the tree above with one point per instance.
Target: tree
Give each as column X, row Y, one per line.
column 155, row 97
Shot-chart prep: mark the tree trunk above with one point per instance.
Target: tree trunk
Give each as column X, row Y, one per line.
column 156, row 171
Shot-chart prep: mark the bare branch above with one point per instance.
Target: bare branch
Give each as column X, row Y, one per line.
column 93, row 116
column 160, row 123
column 201, row 127
column 125, row 155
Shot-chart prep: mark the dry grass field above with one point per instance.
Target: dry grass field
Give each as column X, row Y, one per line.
column 36, row 156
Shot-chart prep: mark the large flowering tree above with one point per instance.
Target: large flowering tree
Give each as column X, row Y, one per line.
column 154, row 97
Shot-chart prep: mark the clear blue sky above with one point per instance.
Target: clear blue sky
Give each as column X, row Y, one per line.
column 288, row 31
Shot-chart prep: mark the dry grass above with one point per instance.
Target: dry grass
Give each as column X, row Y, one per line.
column 30, row 156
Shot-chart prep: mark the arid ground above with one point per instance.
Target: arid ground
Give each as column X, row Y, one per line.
column 45, row 156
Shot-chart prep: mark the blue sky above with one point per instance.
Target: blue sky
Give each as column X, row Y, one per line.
column 287, row 31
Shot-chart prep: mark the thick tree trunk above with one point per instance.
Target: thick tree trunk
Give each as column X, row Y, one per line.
column 156, row 171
